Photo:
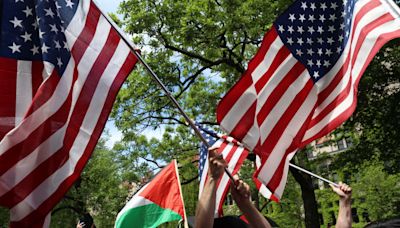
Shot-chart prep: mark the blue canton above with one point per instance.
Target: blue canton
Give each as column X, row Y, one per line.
column 211, row 138
column 34, row 30
column 316, row 32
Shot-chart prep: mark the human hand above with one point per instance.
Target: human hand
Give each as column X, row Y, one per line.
column 217, row 164
column 240, row 192
column 343, row 190
column 80, row 225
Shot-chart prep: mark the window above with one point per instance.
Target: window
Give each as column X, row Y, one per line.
column 333, row 217
column 320, row 145
column 349, row 142
column 365, row 216
column 315, row 183
column 341, row 145
column 310, row 154
column 321, row 219
column 335, row 177
column 355, row 215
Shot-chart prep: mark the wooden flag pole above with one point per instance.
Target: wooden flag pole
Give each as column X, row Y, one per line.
column 161, row 84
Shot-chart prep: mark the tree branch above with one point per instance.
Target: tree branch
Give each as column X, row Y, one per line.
column 153, row 161
column 190, row 180
column 66, row 207
column 163, row 118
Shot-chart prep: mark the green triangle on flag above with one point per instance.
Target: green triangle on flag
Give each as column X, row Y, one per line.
column 157, row 202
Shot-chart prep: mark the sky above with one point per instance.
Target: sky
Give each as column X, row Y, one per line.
column 111, row 6
column 108, row 6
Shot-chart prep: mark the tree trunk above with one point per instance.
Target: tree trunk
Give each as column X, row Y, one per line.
column 308, row 195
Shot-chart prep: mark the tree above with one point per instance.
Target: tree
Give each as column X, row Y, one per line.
column 101, row 191
column 376, row 120
column 199, row 49
column 191, row 44
column 380, row 191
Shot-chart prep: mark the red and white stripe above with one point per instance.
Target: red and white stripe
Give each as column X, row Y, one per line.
column 234, row 155
column 43, row 156
column 23, row 79
column 275, row 108
column 262, row 189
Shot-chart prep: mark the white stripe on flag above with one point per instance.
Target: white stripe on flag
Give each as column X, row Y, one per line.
column 282, row 105
column 265, row 64
column 271, row 164
column 23, row 90
column 44, row 190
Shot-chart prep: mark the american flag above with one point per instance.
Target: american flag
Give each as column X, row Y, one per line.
column 234, row 155
column 62, row 64
column 303, row 81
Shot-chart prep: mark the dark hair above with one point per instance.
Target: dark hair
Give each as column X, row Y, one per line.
column 229, row 222
column 389, row 223
column 87, row 219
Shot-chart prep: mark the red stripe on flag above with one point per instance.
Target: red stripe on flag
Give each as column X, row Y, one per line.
column 220, row 150
column 8, row 69
column 37, row 76
column 59, row 158
column 278, row 92
column 367, row 29
column 339, row 76
column 233, row 95
column 48, row 205
column 245, row 123
column 246, row 80
column 342, row 96
column 11, row 157
column 239, row 163
column 282, row 54
column 276, row 133
column 348, row 112
column 87, row 34
column 268, row 39
column 44, row 93
column 277, row 178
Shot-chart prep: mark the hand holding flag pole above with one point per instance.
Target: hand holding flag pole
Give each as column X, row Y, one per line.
column 168, row 93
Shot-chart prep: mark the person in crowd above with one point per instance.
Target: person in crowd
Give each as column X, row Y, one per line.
column 240, row 192
column 344, row 219
column 86, row 221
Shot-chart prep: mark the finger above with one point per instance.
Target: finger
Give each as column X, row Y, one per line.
column 239, row 185
column 247, row 187
column 213, row 151
column 244, row 189
column 333, row 187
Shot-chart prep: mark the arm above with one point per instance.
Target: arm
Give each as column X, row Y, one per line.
column 241, row 195
column 206, row 205
column 344, row 218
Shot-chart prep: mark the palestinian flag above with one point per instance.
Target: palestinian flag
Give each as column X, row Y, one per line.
column 157, row 202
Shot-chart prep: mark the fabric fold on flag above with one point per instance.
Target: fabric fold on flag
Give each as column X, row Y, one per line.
column 233, row 153
column 157, row 202
column 302, row 83
column 62, row 64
